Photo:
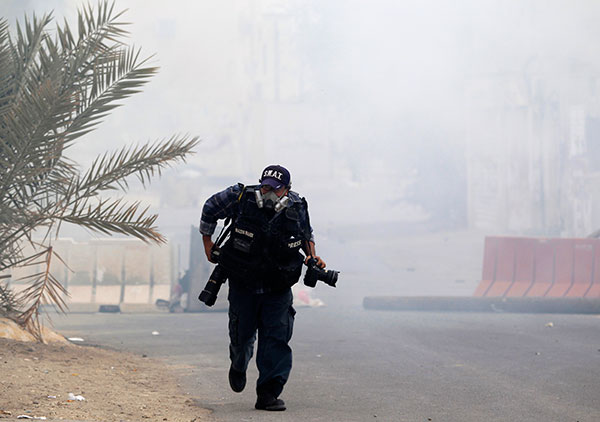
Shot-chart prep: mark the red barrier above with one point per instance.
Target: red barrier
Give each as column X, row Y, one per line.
column 563, row 267
column 583, row 268
column 524, row 267
column 543, row 273
column 505, row 266
column 594, row 290
column 489, row 266
column 517, row 267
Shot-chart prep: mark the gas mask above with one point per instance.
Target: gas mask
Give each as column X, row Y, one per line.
column 271, row 201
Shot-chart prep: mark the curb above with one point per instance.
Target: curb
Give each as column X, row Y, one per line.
column 92, row 308
column 533, row 305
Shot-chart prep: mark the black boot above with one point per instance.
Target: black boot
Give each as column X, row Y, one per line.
column 266, row 402
column 237, row 380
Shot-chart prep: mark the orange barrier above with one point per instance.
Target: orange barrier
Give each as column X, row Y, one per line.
column 524, row 267
column 594, row 289
column 505, row 266
column 563, row 267
column 543, row 275
column 532, row 267
column 583, row 268
column 489, row 266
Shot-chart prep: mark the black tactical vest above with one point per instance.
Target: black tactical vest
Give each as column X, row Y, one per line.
column 263, row 248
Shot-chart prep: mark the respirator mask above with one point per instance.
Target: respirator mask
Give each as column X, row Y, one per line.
column 271, row 201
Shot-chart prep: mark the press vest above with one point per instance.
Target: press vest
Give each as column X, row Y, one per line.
column 263, row 248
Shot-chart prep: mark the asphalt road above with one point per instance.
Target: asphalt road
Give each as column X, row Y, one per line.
column 356, row 365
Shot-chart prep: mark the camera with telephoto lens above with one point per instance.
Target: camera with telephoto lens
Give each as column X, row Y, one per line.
column 314, row 273
column 216, row 279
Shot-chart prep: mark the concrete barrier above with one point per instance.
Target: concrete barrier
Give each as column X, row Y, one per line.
column 543, row 274
column 563, row 267
column 108, row 295
column 489, row 266
column 524, row 268
column 484, row 304
column 110, row 271
column 80, row 294
column 537, row 267
column 583, row 268
column 504, row 274
column 137, row 294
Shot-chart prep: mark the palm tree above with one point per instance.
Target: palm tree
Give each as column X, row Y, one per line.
column 56, row 86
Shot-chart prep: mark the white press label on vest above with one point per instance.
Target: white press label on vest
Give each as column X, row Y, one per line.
column 273, row 173
column 245, row 232
column 294, row 244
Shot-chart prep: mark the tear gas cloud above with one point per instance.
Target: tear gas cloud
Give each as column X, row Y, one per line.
column 414, row 128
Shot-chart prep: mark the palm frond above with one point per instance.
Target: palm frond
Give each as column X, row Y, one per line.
column 109, row 171
column 9, row 305
column 44, row 289
column 5, row 67
column 54, row 88
column 70, row 91
column 115, row 216
column 24, row 50
column 114, row 77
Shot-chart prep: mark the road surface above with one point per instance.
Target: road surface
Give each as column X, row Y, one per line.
column 356, row 365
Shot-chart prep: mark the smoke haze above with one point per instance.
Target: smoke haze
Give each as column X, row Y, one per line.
column 399, row 121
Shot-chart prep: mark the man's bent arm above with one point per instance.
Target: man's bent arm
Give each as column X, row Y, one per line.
column 221, row 205
column 208, row 245
column 313, row 253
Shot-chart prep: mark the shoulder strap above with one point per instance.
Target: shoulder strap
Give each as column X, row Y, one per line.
column 306, row 211
column 227, row 225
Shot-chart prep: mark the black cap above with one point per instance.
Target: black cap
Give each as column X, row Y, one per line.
column 275, row 176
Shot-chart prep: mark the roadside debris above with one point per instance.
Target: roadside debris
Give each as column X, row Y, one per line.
column 302, row 298
column 73, row 397
column 550, row 325
column 75, row 339
column 113, row 309
column 162, row 303
column 155, row 333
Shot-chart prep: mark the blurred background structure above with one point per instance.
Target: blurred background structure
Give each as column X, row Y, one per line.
column 109, row 271
column 445, row 120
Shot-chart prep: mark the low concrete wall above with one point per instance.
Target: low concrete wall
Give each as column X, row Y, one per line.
column 484, row 304
column 161, row 291
column 108, row 295
column 96, row 270
column 80, row 294
column 137, row 294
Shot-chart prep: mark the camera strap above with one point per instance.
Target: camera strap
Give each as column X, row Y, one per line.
column 227, row 224
column 224, row 232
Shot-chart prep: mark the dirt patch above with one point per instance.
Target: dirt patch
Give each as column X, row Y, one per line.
column 36, row 380
column 11, row 330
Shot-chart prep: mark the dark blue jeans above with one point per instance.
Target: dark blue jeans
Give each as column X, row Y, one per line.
column 272, row 315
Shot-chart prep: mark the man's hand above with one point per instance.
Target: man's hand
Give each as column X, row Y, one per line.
column 320, row 262
column 208, row 246
column 311, row 252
